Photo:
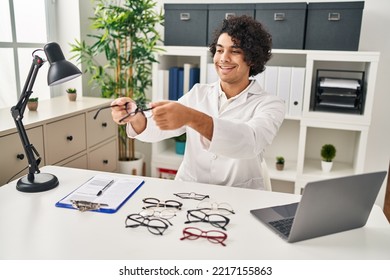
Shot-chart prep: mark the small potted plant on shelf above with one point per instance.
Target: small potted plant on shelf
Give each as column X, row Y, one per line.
column 279, row 163
column 32, row 103
column 72, row 94
column 328, row 153
column 180, row 143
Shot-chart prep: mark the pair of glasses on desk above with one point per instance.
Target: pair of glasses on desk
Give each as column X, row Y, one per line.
column 129, row 114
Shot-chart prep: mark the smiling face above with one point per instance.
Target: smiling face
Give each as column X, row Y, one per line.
column 230, row 64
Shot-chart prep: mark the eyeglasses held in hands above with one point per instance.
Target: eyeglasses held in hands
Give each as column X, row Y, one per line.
column 154, row 202
column 217, row 220
column 192, row 195
column 129, row 114
column 155, row 225
column 214, row 236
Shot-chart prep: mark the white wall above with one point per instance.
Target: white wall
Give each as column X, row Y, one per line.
column 374, row 37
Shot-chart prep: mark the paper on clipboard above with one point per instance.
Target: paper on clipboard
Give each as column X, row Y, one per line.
column 106, row 193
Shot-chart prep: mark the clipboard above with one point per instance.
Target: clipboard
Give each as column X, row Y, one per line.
column 101, row 193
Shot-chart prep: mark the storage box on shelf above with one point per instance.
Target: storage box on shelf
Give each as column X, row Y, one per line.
column 304, row 131
column 64, row 133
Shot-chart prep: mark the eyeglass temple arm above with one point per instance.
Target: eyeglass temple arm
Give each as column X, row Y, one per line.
column 107, row 107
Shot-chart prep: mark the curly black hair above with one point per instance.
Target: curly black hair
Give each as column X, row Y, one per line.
column 251, row 36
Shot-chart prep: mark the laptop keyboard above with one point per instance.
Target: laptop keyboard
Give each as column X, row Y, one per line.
column 283, row 226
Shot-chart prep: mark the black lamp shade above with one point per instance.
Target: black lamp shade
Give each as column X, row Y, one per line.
column 60, row 69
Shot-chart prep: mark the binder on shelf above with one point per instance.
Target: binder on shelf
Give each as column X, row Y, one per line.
column 194, row 77
column 297, row 90
column 271, row 79
column 174, row 82
column 101, row 193
column 163, row 85
column 284, row 86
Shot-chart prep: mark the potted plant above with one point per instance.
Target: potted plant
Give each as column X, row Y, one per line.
column 180, row 142
column 127, row 37
column 328, row 153
column 32, row 103
column 72, row 94
column 279, row 163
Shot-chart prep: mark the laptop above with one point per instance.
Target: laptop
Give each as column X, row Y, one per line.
column 326, row 207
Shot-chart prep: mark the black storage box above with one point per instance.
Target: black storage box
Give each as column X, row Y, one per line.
column 185, row 25
column 219, row 12
column 286, row 23
column 334, row 26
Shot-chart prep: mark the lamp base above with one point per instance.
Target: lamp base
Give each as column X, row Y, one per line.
column 42, row 182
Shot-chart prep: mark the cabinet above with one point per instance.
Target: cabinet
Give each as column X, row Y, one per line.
column 64, row 133
column 301, row 135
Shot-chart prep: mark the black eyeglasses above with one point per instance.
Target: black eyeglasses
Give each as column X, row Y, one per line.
column 214, row 236
column 154, row 202
column 155, row 225
column 217, row 220
column 129, row 114
column 192, row 195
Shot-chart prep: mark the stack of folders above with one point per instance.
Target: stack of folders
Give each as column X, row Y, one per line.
column 176, row 81
column 287, row 83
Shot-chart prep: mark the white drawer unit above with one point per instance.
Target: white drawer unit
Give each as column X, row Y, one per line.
column 64, row 133
column 65, row 138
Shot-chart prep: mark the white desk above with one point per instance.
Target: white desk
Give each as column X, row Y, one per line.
column 31, row 227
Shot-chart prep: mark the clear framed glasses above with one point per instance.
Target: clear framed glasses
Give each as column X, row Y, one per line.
column 192, row 195
column 154, row 202
column 146, row 111
column 165, row 213
column 214, row 236
column 216, row 220
column 223, row 208
column 155, row 225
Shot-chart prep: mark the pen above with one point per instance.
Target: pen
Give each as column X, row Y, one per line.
column 105, row 188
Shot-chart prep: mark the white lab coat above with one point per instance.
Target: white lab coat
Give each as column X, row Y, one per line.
column 241, row 133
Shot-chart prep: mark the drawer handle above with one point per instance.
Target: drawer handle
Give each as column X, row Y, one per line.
column 20, row 156
column 69, row 138
column 295, row 103
column 334, row 16
column 185, row 16
column 279, row 16
column 228, row 15
column 104, row 124
column 105, row 161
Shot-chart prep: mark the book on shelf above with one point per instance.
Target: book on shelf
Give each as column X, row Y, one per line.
column 174, row 82
column 182, row 79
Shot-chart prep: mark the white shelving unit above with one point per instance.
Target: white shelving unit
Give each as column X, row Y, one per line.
column 301, row 137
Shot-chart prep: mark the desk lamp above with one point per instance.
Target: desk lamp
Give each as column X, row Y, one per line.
column 60, row 71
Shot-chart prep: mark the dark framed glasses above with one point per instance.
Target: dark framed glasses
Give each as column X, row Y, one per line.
column 216, row 220
column 129, row 114
column 192, row 195
column 154, row 225
column 154, row 202
column 214, row 236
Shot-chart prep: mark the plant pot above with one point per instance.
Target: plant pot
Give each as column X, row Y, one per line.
column 72, row 96
column 32, row 106
column 180, row 147
column 279, row 166
column 326, row 166
column 133, row 167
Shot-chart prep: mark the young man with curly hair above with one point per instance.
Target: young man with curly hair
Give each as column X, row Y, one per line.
column 228, row 123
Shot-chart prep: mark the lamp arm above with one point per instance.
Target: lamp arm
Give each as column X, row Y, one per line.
column 17, row 112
